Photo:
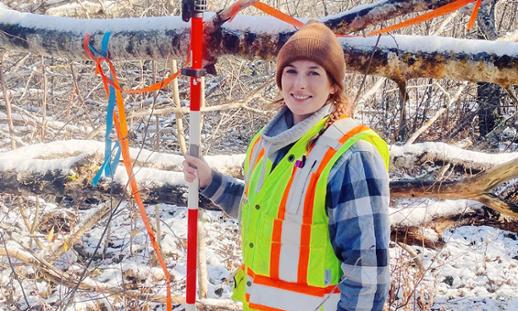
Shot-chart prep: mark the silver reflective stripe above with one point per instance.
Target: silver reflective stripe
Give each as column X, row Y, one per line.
column 291, row 301
column 295, row 201
column 290, row 248
column 291, row 226
column 253, row 157
column 337, row 130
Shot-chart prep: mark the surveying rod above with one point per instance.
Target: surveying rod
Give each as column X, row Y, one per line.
column 193, row 10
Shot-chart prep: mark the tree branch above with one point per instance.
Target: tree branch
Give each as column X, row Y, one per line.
column 398, row 57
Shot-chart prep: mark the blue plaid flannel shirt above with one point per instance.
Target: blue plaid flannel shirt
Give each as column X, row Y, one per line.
column 357, row 205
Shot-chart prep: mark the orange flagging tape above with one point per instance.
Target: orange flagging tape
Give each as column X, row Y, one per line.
column 440, row 11
column 473, row 17
column 155, row 86
column 147, row 89
column 443, row 10
column 278, row 14
column 121, row 129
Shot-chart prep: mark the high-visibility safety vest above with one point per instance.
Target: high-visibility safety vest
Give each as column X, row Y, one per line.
column 289, row 262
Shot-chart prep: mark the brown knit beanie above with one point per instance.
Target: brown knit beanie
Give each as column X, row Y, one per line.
column 315, row 42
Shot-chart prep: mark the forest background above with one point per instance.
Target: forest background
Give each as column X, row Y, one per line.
column 68, row 245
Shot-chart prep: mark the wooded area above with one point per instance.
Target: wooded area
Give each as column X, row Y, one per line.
column 443, row 96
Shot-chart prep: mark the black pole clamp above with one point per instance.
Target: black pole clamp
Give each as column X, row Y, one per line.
column 192, row 7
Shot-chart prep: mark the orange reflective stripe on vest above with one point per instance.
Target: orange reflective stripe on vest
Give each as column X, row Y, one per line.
column 269, row 294
column 294, row 287
column 277, row 229
column 308, row 206
column 289, row 260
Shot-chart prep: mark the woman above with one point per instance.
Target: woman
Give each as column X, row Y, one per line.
column 313, row 207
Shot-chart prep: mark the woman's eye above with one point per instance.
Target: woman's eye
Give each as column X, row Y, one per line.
column 314, row 73
column 291, row 71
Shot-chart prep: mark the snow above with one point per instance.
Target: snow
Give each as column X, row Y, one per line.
column 415, row 212
column 93, row 25
column 429, row 44
column 452, row 153
column 476, row 269
column 63, row 154
column 150, row 177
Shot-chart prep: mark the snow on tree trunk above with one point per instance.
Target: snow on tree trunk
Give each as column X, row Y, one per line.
column 396, row 57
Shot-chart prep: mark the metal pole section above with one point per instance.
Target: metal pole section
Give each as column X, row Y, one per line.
column 196, row 72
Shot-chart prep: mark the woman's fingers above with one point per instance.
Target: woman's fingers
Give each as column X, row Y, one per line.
column 194, row 161
column 188, row 171
column 194, row 167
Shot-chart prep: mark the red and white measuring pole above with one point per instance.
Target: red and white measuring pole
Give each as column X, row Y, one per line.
column 193, row 10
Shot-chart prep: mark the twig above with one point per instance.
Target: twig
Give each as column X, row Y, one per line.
column 83, row 276
column 7, row 104
column 243, row 103
column 78, row 93
column 425, row 126
column 366, row 71
column 157, row 224
column 14, row 272
column 512, row 93
column 179, row 121
column 415, row 257
column 44, row 99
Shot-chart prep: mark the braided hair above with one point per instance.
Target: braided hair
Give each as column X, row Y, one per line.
column 343, row 108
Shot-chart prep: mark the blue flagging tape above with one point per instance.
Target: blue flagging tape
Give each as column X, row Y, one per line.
column 104, row 44
column 109, row 165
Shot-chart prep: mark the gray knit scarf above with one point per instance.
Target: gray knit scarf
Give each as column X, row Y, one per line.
column 278, row 134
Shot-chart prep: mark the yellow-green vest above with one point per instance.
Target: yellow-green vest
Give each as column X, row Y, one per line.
column 288, row 259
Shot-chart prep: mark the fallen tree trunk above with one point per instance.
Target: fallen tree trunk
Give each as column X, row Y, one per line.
column 396, row 57
column 439, row 153
column 476, row 188
column 430, row 234
column 65, row 168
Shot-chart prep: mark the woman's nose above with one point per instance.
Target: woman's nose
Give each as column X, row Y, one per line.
column 300, row 82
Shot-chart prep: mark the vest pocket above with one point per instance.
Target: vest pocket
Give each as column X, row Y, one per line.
column 298, row 188
column 322, row 259
column 260, row 246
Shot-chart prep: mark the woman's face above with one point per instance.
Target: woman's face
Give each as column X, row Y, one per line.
column 305, row 88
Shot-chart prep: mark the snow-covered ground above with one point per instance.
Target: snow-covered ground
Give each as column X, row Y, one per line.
column 476, row 270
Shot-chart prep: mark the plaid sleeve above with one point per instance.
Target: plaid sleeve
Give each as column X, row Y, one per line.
column 357, row 205
column 226, row 192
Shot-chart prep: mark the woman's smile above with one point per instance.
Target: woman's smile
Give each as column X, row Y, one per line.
column 301, row 98
column 305, row 88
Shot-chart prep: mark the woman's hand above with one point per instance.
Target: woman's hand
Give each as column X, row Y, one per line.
column 193, row 167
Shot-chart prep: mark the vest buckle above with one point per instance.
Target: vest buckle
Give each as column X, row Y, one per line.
column 300, row 163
